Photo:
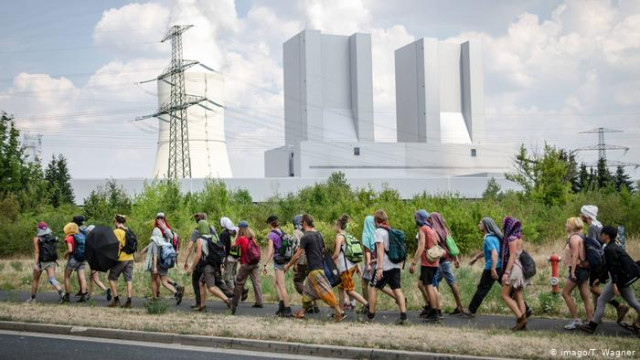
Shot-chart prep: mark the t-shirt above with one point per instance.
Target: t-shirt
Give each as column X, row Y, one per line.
column 313, row 245
column 491, row 242
column 382, row 236
column 276, row 238
column 243, row 242
column 431, row 240
column 343, row 263
column 71, row 240
column 205, row 247
column 122, row 238
column 196, row 234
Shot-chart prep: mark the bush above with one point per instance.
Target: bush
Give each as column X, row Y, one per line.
column 156, row 306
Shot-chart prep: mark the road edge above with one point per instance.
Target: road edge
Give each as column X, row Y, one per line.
column 232, row 343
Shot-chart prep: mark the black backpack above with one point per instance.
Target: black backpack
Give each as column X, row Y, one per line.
column 528, row 265
column 217, row 252
column 131, row 242
column 48, row 248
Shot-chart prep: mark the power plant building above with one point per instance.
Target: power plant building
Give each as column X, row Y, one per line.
column 328, row 89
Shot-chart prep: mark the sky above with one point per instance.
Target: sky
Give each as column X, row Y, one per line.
column 552, row 69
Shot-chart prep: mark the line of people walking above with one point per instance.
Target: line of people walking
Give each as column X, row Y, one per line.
column 220, row 264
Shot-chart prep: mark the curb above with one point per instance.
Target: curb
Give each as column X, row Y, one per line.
column 231, row 343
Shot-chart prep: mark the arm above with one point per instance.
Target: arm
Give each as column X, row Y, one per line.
column 478, row 256
column 419, row 251
column 198, row 255
column 336, row 249
column 574, row 245
column 494, row 262
column 36, row 253
column 367, row 259
column 270, row 254
column 379, row 264
column 294, row 260
column 186, row 260
column 513, row 248
column 69, row 250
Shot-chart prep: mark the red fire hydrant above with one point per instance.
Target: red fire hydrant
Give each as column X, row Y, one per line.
column 555, row 260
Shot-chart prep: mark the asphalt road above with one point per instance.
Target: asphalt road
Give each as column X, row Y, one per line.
column 481, row 321
column 24, row 345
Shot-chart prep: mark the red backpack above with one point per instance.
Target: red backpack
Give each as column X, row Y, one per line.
column 253, row 252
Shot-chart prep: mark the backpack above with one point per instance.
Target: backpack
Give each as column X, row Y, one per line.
column 352, row 249
column 217, row 253
column 594, row 253
column 331, row 271
column 175, row 242
column 48, row 248
column 131, row 242
column 397, row 252
column 528, row 265
column 451, row 246
column 253, row 252
column 284, row 253
column 80, row 241
column 167, row 256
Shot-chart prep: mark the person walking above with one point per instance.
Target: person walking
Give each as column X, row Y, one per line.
column 427, row 239
column 492, row 237
column 316, row 286
column 444, row 269
column 589, row 214
column 209, row 255
column 160, row 273
column 274, row 244
column 513, row 280
column 623, row 272
column 227, row 236
column 76, row 242
column 301, row 269
column 94, row 278
column 45, row 255
column 345, row 266
column 124, row 265
column 248, row 269
column 387, row 272
column 575, row 255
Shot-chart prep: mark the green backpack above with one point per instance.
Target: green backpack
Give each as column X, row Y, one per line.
column 451, row 246
column 352, row 248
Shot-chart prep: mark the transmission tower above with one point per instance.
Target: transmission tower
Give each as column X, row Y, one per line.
column 602, row 147
column 177, row 105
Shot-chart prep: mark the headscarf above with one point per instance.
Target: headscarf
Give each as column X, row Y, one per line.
column 42, row 229
column 437, row 223
column 70, row 229
column 203, row 227
column 368, row 232
column 512, row 229
column 226, row 223
column 492, row 228
column 297, row 221
column 591, row 212
column 421, row 217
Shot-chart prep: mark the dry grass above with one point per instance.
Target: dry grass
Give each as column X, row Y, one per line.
column 497, row 342
column 15, row 274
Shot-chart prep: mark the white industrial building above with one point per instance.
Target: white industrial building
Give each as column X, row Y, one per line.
column 328, row 91
column 207, row 143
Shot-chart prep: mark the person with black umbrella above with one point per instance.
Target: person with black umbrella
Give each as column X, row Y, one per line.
column 95, row 274
column 125, row 262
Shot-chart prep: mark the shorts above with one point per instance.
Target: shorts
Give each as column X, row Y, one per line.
column 74, row 264
column 347, row 283
column 209, row 276
column 444, row 270
column 582, row 275
column 162, row 271
column 427, row 274
column 367, row 275
column 391, row 277
column 47, row 264
column 123, row 267
column 279, row 266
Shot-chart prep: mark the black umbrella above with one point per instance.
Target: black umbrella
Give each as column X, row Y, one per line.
column 102, row 248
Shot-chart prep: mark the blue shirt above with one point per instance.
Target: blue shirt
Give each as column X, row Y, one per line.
column 491, row 242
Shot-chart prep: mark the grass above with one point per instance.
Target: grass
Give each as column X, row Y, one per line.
column 436, row 338
column 17, row 276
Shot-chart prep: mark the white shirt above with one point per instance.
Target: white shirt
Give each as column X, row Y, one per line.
column 382, row 236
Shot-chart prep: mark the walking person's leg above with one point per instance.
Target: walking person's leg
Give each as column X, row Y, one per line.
column 588, row 306
column 484, row 286
column 35, row 282
column 254, row 273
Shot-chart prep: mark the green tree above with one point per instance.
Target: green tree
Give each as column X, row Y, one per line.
column 604, row 177
column 59, row 182
column 493, row 190
column 622, row 180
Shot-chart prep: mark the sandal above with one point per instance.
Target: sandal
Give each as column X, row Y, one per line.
column 299, row 314
column 200, row 308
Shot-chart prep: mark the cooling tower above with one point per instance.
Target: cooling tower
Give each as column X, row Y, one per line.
column 207, row 143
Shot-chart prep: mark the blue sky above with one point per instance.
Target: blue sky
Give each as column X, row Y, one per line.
column 552, row 69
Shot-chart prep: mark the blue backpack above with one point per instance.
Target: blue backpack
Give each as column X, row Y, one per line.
column 167, row 258
column 80, row 240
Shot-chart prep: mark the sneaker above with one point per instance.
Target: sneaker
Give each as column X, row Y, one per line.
column 178, row 297
column 31, row 301
column 114, row 303
column 315, row 310
column 402, row 321
column 258, row 306
column 245, row 294
column 589, row 328
column 127, row 305
column 83, row 298
column 65, row 299
column 108, row 293
column 528, row 313
column 468, row 314
column 440, row 314
column 286, row 312
column 574, row 324
column 199, row 308
column 195, row 306
column 425, row 312
column 432, row 316
column 457, row 311
column 622, row 311
column 364, row 309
